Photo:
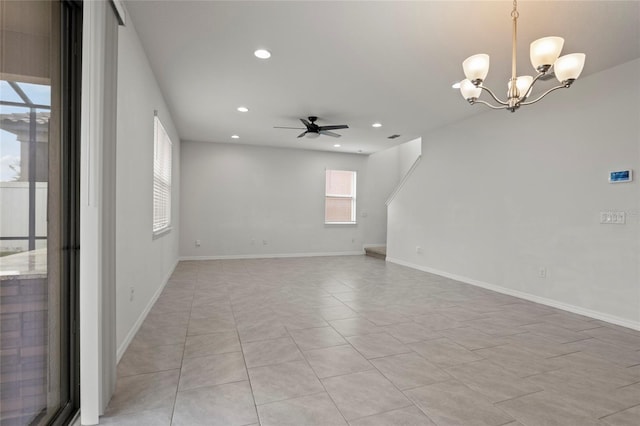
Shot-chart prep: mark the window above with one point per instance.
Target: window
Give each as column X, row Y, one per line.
column 340, row 197
column 161, row 179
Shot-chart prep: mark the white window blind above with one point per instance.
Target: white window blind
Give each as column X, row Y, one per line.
column 340, row 197
column 161, row 179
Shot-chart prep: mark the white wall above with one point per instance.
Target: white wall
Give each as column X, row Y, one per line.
column 499, row 196
column 385, row 170
column 142, row 263
column 236, row 197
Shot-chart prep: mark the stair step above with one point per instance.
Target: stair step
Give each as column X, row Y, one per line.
column 379, row 252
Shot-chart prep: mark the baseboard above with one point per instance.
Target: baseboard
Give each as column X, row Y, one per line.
column 273, row 256
column 132, row 333
column 526, row 296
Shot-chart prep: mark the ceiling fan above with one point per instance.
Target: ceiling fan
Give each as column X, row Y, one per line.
column 312, row 130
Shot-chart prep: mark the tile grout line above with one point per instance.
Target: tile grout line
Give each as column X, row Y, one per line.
column 184, row 348
column 619, row 411
column 316, row 374
column 246, row 367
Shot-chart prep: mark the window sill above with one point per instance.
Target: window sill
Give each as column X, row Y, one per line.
column 341, row 223
column 161, row 233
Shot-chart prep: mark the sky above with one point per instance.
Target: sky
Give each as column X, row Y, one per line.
column 9, row 146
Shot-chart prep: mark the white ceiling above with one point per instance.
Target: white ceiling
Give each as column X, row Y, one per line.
column 354, row 62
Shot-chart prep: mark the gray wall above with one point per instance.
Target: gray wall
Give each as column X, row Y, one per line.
column 385, row 171
column 142, row 263
column 237, row 197
column 499, row 196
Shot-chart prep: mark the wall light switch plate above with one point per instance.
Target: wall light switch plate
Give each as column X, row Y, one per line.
column 619, row 218
column 613, row 218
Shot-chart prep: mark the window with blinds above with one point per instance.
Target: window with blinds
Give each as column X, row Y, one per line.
column 161, row 179
column 340, row 197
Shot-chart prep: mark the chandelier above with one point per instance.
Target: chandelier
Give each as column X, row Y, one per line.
column 544, row 54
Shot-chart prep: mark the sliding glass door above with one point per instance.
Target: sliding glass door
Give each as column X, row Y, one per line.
column 39, row 105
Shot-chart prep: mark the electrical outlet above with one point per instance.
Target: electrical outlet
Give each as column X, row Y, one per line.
column 131, row 293
column 198, row 243
column 264, row 242
column 542, row 272
column 418, row 249
column 619, row 218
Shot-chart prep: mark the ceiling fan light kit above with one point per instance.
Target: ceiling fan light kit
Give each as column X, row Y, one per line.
column 544, row 54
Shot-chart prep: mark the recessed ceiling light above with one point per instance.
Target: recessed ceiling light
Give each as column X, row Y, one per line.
column 235, row 137
column 337, row 145
column 262, row 54
column 243, row 109
column 455, row 85
column 376, row 125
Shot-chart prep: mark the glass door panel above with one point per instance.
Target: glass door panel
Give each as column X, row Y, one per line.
column 34, row 302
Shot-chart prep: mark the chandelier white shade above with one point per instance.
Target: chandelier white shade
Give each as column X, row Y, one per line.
column 569, row 67
column 544, row 51
column 545, row 58
column 476, row 67
column 469, row 90
column 522, row 83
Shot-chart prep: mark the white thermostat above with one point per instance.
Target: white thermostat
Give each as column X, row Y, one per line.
column 620, row 176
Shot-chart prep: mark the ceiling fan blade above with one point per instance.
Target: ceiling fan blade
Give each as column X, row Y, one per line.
column 305, row 122
column 302, row 134
column 328, row 133
column 297, row 128
column 335, row 127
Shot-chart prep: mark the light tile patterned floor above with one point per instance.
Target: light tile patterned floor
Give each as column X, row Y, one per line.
column 354, row 340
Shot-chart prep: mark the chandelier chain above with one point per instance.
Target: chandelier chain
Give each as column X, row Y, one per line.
column 514, row 13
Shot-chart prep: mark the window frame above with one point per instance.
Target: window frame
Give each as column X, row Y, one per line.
column 352, row 197
column 161, row 136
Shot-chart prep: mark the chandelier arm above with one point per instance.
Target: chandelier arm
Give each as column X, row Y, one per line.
column 478, row 101
column 495, row 98
column 553, row 89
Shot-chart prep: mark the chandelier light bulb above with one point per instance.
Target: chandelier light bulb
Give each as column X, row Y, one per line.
column 569, row 67
column 545, row 51
column 476, row 67
column 469, row 90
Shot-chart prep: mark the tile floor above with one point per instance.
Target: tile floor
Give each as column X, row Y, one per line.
column 354, row 340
